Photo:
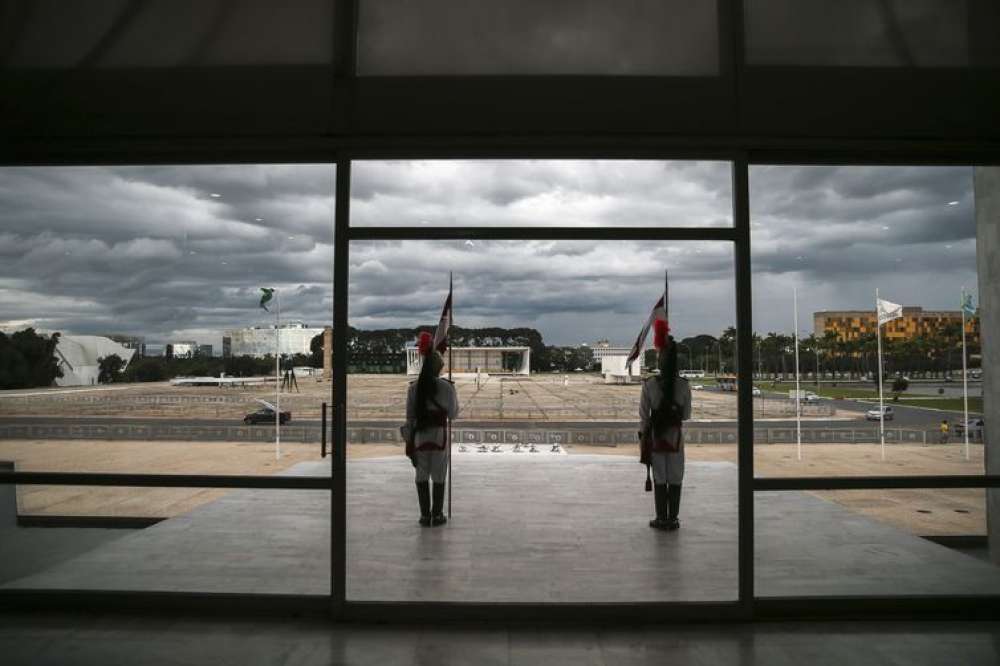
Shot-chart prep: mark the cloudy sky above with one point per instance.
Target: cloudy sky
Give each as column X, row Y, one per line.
column 178, row 253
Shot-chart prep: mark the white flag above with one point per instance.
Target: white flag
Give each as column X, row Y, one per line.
column 887, row 311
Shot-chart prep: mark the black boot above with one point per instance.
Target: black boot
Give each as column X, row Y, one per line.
column 437, row 515
column 660, row 501
column 424, row 497
column 675, row 507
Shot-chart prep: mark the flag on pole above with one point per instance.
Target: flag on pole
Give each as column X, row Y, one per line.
column 887, row 311
column 441, row 334
column 659, row 313
column 967, row 305
column 267, row 295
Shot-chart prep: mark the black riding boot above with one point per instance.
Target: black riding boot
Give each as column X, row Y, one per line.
column 437, row 514
column 424, row 497
column 661, row 502
column 675, row 506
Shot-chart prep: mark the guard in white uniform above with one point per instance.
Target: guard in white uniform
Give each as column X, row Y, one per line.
column 662, row 436
column 431, row 402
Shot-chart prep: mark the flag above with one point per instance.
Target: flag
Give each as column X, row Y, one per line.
column 967, row 306
column 659, row 313
column 268, row 294
column 441, row 334
column 887, row 311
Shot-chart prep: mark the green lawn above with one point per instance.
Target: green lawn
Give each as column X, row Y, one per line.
column 949, row 404
column 909, row 398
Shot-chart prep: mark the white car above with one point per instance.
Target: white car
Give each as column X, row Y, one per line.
column 697, row 387
column 755, row 391
column 810, row 397
column 873, row 414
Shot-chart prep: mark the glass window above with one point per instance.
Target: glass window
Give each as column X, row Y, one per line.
column 167, row 33
column 882, row 543
column 858, row 33
column 828, row 237
column 557, row 193
column 546, row 486
column 445, row 37
column 132, row 334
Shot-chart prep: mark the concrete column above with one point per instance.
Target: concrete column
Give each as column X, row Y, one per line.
column 987, row 196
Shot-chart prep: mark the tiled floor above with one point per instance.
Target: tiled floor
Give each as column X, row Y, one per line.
column 113, row 639
column 554, row 529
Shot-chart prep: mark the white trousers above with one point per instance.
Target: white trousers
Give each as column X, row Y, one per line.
column 668, row 467
column 432, row 465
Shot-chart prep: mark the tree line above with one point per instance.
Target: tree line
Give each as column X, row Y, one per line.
column 28, row 359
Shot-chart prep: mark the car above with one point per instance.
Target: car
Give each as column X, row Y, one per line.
column 265, row 416
column 873, row 414
column 697, row 387
column 810, row 397
column 755, row 391
column 975, row 428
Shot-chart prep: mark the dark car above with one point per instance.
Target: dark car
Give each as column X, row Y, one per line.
column 265, row 416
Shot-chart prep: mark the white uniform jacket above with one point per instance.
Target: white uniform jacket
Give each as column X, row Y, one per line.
column 444, row 402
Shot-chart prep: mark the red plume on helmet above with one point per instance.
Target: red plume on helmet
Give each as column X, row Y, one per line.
column 424, row 341
column 661, row 330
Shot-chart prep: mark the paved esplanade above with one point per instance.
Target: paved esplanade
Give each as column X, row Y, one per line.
column 546, row 529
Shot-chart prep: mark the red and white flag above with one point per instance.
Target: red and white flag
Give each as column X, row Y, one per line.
column 441, row 334
column 659, row 313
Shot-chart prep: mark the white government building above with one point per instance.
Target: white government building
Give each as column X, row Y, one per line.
column 612, row 360
column 78, row 357
column 259, row 340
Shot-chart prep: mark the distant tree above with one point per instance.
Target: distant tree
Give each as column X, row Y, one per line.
column 109, row 369
column 316, row 351
column 146, row 369
column 28, row 360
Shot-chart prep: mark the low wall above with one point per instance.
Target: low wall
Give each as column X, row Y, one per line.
column 386, row 432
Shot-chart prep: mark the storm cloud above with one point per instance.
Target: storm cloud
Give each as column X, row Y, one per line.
column 179, row 252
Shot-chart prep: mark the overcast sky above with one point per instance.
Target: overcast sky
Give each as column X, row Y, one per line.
column 178, row 253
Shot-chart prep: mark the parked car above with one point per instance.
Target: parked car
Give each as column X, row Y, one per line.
column 755, row 391
column 873, row 414
column 265, row 416
column 975, row 428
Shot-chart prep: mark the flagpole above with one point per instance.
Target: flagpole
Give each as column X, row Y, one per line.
column 451, row 310
column 881, row 409
column 798, row 395
column 277, row 376
column 965, row 381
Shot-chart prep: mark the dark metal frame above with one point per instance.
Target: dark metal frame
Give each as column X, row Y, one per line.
column 744, row 134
